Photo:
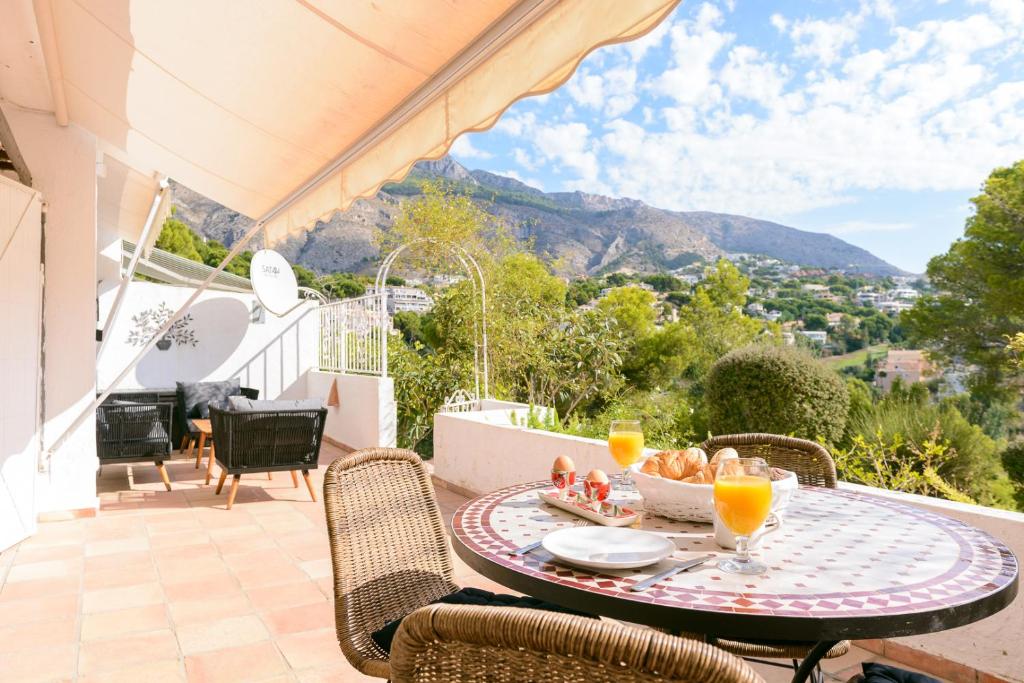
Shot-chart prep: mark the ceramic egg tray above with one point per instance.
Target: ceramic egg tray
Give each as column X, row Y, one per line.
column 610, row 514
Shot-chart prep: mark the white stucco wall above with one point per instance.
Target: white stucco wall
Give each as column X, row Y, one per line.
column 273, row 355
column 366, row 414
column 483, row 451
column 63, row 166
column 21, row 290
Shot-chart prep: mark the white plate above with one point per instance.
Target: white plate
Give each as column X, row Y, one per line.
column 603, row 547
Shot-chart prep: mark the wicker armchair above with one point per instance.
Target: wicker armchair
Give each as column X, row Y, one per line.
column 134, row 427
column 389, row 550
column 814, row 467
column 811, row 461
column 454, row 643
column 267, row 441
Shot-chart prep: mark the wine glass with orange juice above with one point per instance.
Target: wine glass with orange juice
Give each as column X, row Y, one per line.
column 626, row 443
column 743, row 500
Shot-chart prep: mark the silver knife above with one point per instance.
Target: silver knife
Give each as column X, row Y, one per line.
column 525, row 549
column 681, row 567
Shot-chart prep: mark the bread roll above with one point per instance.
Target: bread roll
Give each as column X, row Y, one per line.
column 723, row 454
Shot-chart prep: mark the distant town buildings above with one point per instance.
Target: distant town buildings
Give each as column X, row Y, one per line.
column 910, row 366
column 405, row 299
column 816, row 336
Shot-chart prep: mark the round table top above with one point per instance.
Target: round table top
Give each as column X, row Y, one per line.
column 843, row 565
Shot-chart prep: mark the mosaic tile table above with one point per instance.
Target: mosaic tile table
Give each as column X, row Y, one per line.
column 844, row 565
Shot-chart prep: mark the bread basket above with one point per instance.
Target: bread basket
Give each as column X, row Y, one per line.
column 695, row 502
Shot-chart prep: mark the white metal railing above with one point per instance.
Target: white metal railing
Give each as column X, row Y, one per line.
column 354, row 335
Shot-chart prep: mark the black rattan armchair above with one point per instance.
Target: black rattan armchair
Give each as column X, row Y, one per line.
column 267, row 441
column 134, row 427
column 184, row 431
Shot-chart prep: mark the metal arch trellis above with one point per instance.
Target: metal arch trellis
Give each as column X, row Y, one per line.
column 476, row 278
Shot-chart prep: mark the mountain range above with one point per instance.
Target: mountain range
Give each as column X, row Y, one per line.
column 581, row 233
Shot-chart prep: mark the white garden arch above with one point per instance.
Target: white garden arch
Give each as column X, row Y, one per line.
column 476, row 278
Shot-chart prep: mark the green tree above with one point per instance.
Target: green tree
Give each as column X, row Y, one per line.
column 980, row 281
column 342, row 286
column 663, row 282
column 177, row 238
column 306, row 278
column 632, row 309
column 815, row 321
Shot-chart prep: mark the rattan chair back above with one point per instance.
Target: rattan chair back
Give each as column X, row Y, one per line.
column 466, row 644
column 268, row 440
column 388, row 547
column 811, row 461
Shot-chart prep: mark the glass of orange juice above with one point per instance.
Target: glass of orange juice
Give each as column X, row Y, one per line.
column 626, row 443
column 743, row 500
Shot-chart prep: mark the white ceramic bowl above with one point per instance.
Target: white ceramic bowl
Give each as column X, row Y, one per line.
column 696, row 502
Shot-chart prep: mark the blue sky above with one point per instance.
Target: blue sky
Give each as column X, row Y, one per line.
column 875, row 121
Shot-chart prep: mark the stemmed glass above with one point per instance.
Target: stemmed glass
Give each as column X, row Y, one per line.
column 626, row 443
column 743, row 500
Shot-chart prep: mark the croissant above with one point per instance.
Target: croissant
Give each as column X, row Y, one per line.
column 671, row 467
column 709, row 472
column 650, row 467
column 696, row 479
column 693, row 461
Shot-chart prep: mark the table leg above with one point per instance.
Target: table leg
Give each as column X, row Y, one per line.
column 199, row 455
column 812, row 659
column 209, row 465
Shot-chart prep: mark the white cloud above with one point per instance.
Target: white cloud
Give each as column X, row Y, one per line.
column 463, row 148
column 587, row 89
column 824, row 40
column 516, row 125
column 523, row 159
column 570, row 145
column 779, row 22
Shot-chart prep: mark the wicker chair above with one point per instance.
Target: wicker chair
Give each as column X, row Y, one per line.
column 814, row 467
column 267, row 441
column 458, row 643
column 811, row 461
column 134, row 427
column 388, row 547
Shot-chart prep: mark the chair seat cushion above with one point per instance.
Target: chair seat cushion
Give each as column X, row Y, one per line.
column 197, row 396
column 472, row 596
column 241, row 404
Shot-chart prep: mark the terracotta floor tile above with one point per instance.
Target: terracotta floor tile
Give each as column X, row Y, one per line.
column 235, row 665
column 337, row 673
column 56, row 662
column 281, row 571
column 179, row 539
column 55, row 552
column 311, row 648
column 255, row 559
column 209, row 586
column 39, row 609
column 210, row 608
column 124, row 545
column 285, row 595
column 296, row 619
column 119, row 578
column 111, row 654
column 37, row 634
column 19, row 590
column 317, row 569
column 123, row 561
column 222, row 634
column 47, row 569
column 124, row 621
column 164, row 671
column 183, row 569
column 107, row 599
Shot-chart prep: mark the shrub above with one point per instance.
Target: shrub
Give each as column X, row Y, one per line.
column 971, row 458
column 775, row 389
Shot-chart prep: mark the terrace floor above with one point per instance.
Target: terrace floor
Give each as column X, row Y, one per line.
column 170, row 586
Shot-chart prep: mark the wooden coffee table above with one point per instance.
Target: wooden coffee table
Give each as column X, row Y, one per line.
column 205, row 429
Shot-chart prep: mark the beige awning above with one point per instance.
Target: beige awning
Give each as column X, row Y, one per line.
column 247, row 101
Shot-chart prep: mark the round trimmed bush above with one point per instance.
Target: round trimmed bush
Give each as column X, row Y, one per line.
column 776, row 389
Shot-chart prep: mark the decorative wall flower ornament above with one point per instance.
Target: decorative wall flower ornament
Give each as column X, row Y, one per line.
column 146, row 323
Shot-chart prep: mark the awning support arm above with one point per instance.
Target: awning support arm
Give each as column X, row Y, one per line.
column 122, row 289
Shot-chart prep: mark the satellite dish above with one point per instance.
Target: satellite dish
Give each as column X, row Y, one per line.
column 273, row 280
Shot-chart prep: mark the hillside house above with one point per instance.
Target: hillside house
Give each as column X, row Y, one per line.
column 911, row 366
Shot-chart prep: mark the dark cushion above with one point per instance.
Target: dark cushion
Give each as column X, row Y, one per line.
column 472, row 596
column 197, row 396
column 881, row 673
column 241, row 404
